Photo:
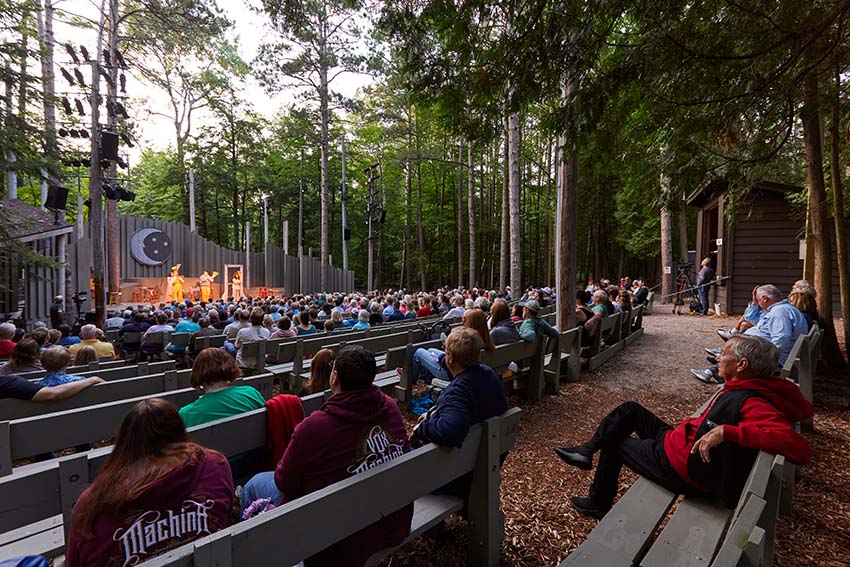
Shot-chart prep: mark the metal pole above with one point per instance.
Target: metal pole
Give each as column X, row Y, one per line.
column 344, row 216
column 371, row 253
column 285, row 238
column 192, row 226
column 267, row 278
column 11, row 158
column 247, row 259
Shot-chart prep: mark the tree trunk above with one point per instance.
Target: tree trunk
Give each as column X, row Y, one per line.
column 666, row 242
column 323, row 108
column 48, row 83
column 683, row 234
column 838, row 213
column 566, row 223
column 408, row 214
column 504, row 241
column 515, row 237
column 459, row 228
column 420, row 229
column 470, row 207
column 812, row 135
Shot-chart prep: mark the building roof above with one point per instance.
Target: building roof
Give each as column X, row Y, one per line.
column 25, row 223
column 711, row 188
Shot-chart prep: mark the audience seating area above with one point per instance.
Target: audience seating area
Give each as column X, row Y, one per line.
column 36, row 498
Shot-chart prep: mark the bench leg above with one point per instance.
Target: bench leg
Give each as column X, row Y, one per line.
column 786, row 497
column 485, row 517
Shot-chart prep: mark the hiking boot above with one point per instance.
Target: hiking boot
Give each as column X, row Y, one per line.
column 713, row 351
column 588, row 507
column 711, row 359
column 579, row 456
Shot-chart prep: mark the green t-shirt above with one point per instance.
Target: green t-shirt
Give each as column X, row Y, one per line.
column 601, row 309
column 223, row 403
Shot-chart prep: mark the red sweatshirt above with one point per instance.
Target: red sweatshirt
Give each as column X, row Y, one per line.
column 764, row 424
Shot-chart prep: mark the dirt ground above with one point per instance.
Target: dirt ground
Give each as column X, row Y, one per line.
column 541, row 528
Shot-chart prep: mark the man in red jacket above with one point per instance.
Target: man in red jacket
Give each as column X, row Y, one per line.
column 712, row 453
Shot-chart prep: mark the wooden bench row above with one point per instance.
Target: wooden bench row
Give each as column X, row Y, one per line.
column 36, row 501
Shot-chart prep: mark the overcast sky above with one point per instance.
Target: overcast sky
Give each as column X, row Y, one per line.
column 157, row 132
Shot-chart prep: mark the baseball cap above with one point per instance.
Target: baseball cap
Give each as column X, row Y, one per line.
column 531, row 305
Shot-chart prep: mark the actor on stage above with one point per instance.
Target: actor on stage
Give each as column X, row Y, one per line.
column 205, row 283
column 237, row 286
column 174, row 289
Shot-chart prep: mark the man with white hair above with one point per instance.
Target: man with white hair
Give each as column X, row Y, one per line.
column 457, row 310
column 7, row 332
column 780, row 323
column 88, row 334
column 711, row 453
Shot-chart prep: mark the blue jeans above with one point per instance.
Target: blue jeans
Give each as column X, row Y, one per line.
column 427, row 365
column 703, row 298
column 230, row 348
column 261, row 485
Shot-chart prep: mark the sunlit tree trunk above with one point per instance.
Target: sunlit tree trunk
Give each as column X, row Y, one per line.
column 838, row 212
column 515, row 237
column 470, row 206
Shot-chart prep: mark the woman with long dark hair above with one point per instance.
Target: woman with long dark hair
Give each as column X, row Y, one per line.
column 156, row 491
column 24, row 358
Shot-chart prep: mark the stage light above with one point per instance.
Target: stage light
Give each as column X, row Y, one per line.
column 109, row 191
column 70, row 49
column 80, row 78
column 85, row 53
column 125, row 195
column 67, row 76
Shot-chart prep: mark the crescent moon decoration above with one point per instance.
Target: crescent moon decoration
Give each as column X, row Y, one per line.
column 150, row 246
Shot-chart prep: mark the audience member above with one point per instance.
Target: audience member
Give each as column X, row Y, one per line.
column 256, row 332
column 88, row 334
column 714, row 452
column 24, row 358
column 502, row 328
column 358, row 428
column 532, row 325
column 7, row 333
column 153, row 472
column 86, row 355
column 18, row 388
column 320, row 372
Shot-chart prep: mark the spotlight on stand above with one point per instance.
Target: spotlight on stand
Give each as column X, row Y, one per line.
column 110, row 192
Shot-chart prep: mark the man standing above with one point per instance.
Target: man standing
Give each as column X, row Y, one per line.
column 358, row 428
column 703, row 281
column 712, row 453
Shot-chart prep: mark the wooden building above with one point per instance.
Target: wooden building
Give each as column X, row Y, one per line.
column 760, row 240
column 27, row 292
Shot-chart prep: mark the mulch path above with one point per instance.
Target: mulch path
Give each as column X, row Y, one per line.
column 541, row 528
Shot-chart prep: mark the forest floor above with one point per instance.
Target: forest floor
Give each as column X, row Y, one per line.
column 542, row 528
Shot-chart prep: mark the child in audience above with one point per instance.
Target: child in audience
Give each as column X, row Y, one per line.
column 85, row 355
column 55, row 361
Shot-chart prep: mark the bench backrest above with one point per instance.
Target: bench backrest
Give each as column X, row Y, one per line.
column 97, row 365
column 57, row 483
column 124, row 371
column 31, row 436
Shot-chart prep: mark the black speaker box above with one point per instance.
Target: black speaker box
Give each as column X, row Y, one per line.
column 109, row 145
column 346, row 233
column 57, row 198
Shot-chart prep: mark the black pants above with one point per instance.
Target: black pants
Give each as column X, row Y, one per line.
column 644, row 455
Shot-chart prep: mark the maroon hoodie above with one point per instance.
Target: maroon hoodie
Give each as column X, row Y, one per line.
column 353, row 432
column 192, row 501
column 764, row 423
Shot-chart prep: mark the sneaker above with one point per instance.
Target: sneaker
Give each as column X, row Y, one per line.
column 578, row 456
column 588, row 507
column 706, row 375
column 711, row 359
column 726, row 334
column 713, row 351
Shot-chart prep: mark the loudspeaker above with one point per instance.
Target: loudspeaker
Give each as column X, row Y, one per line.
column 383, row 217
column 109, row 145
column 346, row 233
column 57, row 198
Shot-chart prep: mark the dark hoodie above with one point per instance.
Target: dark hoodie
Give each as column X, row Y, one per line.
column 764, row 423
column 353, row 432
column 192, row 501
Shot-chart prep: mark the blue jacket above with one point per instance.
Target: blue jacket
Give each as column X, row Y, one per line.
column 473, row 396
column 781, row 324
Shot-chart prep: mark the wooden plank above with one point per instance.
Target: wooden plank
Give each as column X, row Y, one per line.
column 48, row 543
column 692, row 535
column 629, row 525
column 591, row 553
column 739, row 533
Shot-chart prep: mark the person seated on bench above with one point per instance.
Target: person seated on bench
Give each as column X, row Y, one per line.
column 502, row 328
column 532, row 325
column 807, row 304
column 362, row 320
column 256, row 332
column 156, row 491
column 641, row 293
column 780, row 323
column 429, row 364
column 55, row 361
column 88, row 334
column 67, row 339
column 711, row 453
column 320, row 373
column 357, row 429
column 474, row 394
column 18, row 388
column 161, row 326
column 803, row 296
column 303, row 324
column 214, row 372
column 457, row 309
column 24, row 358
column 85, row 356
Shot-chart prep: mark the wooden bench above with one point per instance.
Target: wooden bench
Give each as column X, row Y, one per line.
column 606, row 342
column 635, row 325
column 801, row 366
column 30, row 436
column 36, row 499
column 343, row 508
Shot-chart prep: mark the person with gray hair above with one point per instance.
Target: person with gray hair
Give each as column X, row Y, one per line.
column 779, row 322
column 7, row 333
column 88, row 334
column 710, row 453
